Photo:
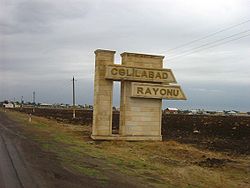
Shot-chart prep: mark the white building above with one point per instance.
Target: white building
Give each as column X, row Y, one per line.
column 45, row 105
column 232, row 113
column 8, row 105
column 171, row 110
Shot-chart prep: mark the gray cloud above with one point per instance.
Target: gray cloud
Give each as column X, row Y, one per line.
column 44, row 43
column 33, row 16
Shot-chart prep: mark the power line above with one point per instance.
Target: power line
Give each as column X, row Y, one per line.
column 210, row 47
column 209, row 43
column 207, row 36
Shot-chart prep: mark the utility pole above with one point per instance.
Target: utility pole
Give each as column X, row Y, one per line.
column 74, row 110
column 34, row 97
column 21, row 102
column 34, row 100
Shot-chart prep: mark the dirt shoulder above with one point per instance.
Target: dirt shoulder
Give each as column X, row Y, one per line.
column 51, row 155
column 65, row 156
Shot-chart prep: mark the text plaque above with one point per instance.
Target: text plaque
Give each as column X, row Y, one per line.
column 120, row 72
column 157, row 91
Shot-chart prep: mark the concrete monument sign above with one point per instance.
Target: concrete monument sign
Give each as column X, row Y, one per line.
column 144, row 83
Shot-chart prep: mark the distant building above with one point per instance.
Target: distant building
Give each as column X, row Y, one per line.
column 211, row 112
column 8, row 105
column 171, row 110
column 231, row 113
column 88, row 107
column 242, row 113
column 184, row 111
column 197, row 111
column 17, row 105
column 45, row 105
column 220, row 112
column 63, row 105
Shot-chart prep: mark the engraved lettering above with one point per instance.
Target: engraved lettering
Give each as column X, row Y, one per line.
column 164, row 75
column 155, row 90
column 139, row 90
column 163, row 91
column 137, row 73
column 122, row 72
column 151, row 74
column 144, row 74
column 158, row 75
column 148, row 91
column 170, row 92
column 114, row 71
column 176, row 92
column 129, row 72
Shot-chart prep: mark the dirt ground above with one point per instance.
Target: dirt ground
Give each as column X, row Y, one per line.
column 219, row 133
column 48, row 168
column 63, row 155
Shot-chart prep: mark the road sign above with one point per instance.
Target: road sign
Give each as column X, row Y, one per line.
column 120, row 72
column 157, row 91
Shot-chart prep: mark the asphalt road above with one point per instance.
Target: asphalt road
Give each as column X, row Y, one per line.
column 8, row 174
column 14, row 170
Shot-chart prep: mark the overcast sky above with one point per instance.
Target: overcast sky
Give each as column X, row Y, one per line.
column 43, row 43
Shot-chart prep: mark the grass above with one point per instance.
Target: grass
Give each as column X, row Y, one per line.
column 159, row 164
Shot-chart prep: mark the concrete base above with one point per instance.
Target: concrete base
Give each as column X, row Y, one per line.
column 128, row 138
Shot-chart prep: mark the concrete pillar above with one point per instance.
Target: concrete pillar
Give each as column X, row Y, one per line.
column 140, row 117
column 103, row 94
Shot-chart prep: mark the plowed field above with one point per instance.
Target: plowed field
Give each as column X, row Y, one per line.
column 221, row 133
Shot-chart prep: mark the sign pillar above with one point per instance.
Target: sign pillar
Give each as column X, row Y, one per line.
column 140, row 118
column 144, row 83
column 103, row 94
